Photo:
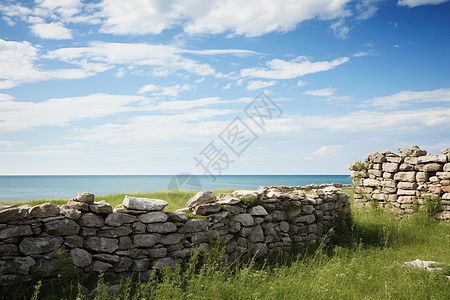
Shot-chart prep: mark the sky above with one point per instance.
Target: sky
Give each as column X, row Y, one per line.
column 219, row 87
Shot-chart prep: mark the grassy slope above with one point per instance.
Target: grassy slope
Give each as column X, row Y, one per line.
column 367, row 266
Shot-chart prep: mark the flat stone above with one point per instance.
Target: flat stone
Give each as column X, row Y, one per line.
column 153, row 217
column 146, row 240
column 145, row 204
column 39, row 245
column 177, row 217
column 73, row 204
column 12, row 213
column 115, row 232
column 140, row 264
column 195, row 225
column 432, row 167
column 244, row 219
column 123, row 265
column 407, row 185
column 45, row 267
column 101, row 244
column 257, row 234
column 125, row 243
column 257, row 210
column 85, row 197
column 443, row 175
column 414, row 151
column 199, row 237
column 158, row 252
column 405, row 176
column 90, row 220
column 20, row 230
column 230, row 201
column 73, row 241
column 441, row 158
column 109, row 258
column 171, row 239
column 162, row 262
column 101, row 207
column 390, row 167
column 8, row 250
column 202, row 197
column 118, row 219
column 162, row 228
column 70, row 213
column 19, row 265
column 80, row 257
column 99, row 266
column 371, row 182
column 207, row 209
column 62, row 227
column 446, row 167
column 246, row 194
column 44, row 210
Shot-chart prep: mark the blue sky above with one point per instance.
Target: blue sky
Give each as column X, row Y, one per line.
column 163, row 87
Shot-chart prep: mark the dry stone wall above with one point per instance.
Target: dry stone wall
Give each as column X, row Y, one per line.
column 139, row 236
column 404, row 180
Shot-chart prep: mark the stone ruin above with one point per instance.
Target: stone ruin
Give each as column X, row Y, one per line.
column 403, row 181
column 139, row 236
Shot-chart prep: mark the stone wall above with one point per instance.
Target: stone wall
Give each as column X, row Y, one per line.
column 404, row 180
column 140, row 236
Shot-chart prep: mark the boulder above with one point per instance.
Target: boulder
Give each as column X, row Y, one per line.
column 118, row 219
column 430, row 158
column 244, row 219
column 101, row 207
column 20, row 230
column 206, row 209
column 145, row 240
column 390, row 167
column 18, row 265
column 62, row 227
column 39, row 245
column 90, row 220
column 44, row 211
column 405, row 176
column 80, row 257
column 172, row 239
column 202, row 197
column 162, row 228
column 85, row 197
column 101, row 244
column 195, row 225
column 257, row 210
column 73, row 204
column 153, row 217
column 414, row 151
column 145, row 204
column 70, row 213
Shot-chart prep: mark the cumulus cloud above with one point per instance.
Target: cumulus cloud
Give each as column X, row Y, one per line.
column 259, row 84
column 300, row 66
column 327, row 149
column 55, row 31
column 327, row 92
column 405, row 98
column 172, row 91
column 340, row 29
column 414, row 3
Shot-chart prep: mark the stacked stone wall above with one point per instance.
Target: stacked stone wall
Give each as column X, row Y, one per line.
column 403, row 181
column 139, row 236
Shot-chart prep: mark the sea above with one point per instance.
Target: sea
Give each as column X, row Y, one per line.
column 37, row 187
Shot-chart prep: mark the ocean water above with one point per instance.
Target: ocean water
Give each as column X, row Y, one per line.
column 13, row 188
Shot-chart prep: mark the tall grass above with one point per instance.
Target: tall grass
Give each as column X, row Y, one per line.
column 367, row 265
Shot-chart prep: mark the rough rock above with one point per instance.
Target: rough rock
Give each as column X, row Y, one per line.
column 38, row 245
column 80, row 257
column 62, row 227
column 90, row 220
column 73, row 204
column 70, row 213
column 145, row 204
column 101, row 207
column 100, row 244
column 207, row 209
column 413, row 151
column 162, row 228
column 44, row 210
column 195, row 225
column 20, row 230
column 146, row 240
column 200, row 198
column 257, row 210
column 244, row 219
column 153, row 217
column 85, row 197
column 118, row 219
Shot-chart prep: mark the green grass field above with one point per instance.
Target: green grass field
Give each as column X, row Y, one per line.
column 365, row 265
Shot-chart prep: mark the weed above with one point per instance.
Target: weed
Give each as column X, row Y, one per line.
column 432, row 205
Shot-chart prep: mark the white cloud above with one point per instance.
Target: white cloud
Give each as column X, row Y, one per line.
column 366, row 9
column 365, row 53
column 301, row 83
column 300, row 66
column 199, row 80
column 327, row 150
column 259, row 84
column 239, row 82
column 404, row 98
column 227, row 87
column 320, row 92
column 5, row 97
column 249, row 18
column 340, row 30
column 15, row 115
column 55, row 31
column 172, row 91
column 414, row 3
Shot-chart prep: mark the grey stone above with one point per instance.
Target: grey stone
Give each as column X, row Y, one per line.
column 125, row 243
column 414, row 151
column 45, row 267
column 157, row 252
column 390, row 167
column 20, row 230
column 407, row 185
column 39, row 245
column 62, row 227
column 153, row 217
column 109, row 258
column 421, row 176
column 98, row 266
column 145, row 204
column 171, row 239
column 257, row 210
column 90, row 220
column 18, row 265
column 244, row 219
column 405, row 176
column 376, row 157
column 308, row 209
column 12, row 213
column 195, row 225
column 182, row 252
column 85, row 197
column 177, row 217
column 200, row 198
column 123, row 265
column 44, row 210
column 407, row 167
column 146, row 240
column 441, row 158
column 101, row 207
column 115, row 231
column 138, row 227
column 257, row 234
column 80, row 257
column 199, row 237
column 73, row 204
column 8, row 250
column 70, row 213
column 284, row 226
column 371, row 182
column 140, row 264
column 101, row 244
column 162, row 228
column 118, row 219
column 230, row 201
column 73, row 241
column 206, row 209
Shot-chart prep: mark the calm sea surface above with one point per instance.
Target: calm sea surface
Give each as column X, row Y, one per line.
column 50, row 187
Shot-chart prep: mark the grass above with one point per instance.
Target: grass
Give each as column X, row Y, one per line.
column 366, row 265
